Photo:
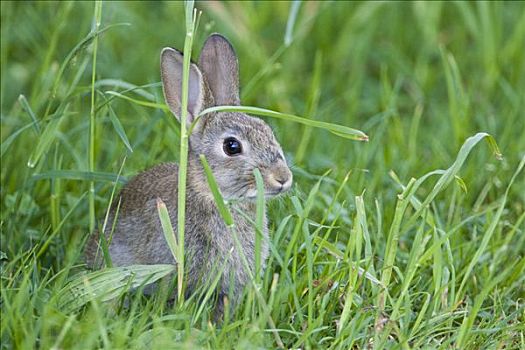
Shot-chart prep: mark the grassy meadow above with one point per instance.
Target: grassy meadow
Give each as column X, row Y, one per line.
column 412, row 240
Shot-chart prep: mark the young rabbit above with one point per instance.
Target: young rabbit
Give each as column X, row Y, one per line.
column 234, row 145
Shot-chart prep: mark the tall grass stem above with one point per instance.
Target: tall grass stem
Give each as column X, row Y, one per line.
column 191, row 20
column 92, row 116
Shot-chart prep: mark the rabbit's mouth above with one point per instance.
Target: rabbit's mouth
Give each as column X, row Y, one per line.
column 252, row 194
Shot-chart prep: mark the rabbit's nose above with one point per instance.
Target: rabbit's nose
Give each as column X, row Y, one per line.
column 281, row 180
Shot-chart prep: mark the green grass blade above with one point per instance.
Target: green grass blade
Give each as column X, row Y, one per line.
column 418, row 247
column 8, row 141
column 465, row 331
column 458, row 101
column 25, row 105
column 216, row 192
column 119, row 129
column 393, row 235
column 489, row 233
column 210, row 288
column 128, row 87
column 167, row 228
column 339, row 130
column 45, row 140
column 103, row 240
column 337, row 253
column 437, row 268
column 303, row 214
column 53, row 234
column 452, row 171
column 361, row 216
column 191, row 24
column 348, row 299
column 92, row 116
column 294, row 9
column 63, row 332
column 80, row 175
column 161, row 106
column 108, row 284
column 259, row 222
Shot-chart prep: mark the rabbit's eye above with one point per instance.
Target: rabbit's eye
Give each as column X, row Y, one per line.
column 232, row 146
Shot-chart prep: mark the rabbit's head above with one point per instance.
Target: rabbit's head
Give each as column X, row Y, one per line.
column 234, row 143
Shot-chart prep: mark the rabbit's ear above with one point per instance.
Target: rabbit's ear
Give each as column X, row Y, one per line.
column 219, row 65
column 171, row 73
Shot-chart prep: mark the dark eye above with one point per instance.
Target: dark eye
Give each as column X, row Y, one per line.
column 232, row 146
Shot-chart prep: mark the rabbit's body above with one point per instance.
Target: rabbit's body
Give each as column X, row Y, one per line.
column 209, row 245
column 234, row 145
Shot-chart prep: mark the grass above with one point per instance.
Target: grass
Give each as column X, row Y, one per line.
column 374, row 247
column 192, row 18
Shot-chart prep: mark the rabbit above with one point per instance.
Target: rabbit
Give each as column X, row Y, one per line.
column 234, row 145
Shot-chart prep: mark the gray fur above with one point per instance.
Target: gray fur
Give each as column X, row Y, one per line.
column 138, row 237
